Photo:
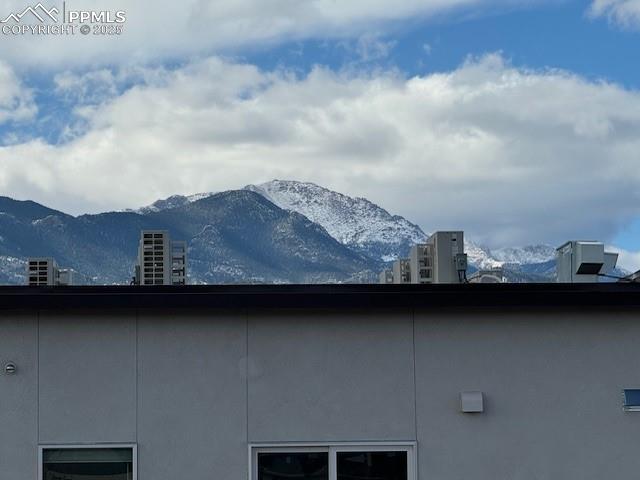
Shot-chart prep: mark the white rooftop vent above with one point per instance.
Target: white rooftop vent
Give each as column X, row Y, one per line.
column 583, row 262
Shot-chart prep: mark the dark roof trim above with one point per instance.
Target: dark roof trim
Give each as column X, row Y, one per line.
column 321, row 296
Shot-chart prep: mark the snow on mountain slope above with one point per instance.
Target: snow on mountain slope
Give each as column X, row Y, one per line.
column 362, row 225
column 485, row 258
column 355, row 222
column 174, row 201
column 525, row 255
column 480, row 257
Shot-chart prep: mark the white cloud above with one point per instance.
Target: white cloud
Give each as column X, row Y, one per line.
column 511, row 156
column 91, row 88
column 623, row 12
column 94, row 87
column 16, row 101
column 159, row 30
column 370, row 47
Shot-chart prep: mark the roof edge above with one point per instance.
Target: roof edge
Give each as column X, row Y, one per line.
column 320, row 296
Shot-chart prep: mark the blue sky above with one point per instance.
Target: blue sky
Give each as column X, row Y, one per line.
column 494, row 113
column 628, row 236
column 550, row 35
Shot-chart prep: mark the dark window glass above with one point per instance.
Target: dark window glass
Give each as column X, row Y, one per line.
column 632, row 399
column 87, row 464
column 372, row 465
column 298, row 466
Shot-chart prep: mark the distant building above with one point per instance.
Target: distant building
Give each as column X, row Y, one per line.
column 494, row 275
column 402, row 271
column 441, row 259
column 386, row 277
column 161, row 261
column 44, row 271
column 583, row 262
column 179, row 262
column 449, row 259
column 421, row 263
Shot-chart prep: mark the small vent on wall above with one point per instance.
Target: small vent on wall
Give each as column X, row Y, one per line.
column 471, row 402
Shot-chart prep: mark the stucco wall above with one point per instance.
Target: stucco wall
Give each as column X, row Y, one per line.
column 87, row 377
column 553, row 385
column 192, row 390
column 192, row 396
column 331, row 377
column 19, row 396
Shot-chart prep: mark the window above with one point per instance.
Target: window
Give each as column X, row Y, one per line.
column 631, row 399
column 390, row 465
column 286, row 465
column 111, row 462
column 333, row 462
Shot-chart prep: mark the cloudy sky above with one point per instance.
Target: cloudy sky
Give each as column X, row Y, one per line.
column 515, row 120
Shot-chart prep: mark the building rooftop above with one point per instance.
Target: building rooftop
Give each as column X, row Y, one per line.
column 442, row 296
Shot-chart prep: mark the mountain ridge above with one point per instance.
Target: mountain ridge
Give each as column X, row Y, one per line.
column 326, row 236
column 234, row 236
column 353, row 221
column 366, row 227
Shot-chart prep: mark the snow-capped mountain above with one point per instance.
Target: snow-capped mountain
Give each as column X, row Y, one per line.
column 369, row 229
column 480, row 257
column 232, row 237
column 362, row 225
column 355, row 222
column 174, row 201
column 525, row 255
column 276, row 232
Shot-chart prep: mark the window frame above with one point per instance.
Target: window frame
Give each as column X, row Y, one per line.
column 85, row 446
column 332, row 448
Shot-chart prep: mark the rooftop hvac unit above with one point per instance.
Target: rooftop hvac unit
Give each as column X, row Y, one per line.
column 583, row 261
